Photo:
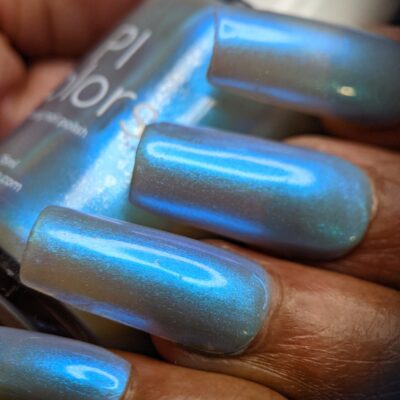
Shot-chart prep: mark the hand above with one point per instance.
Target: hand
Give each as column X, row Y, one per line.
column 327, row 335
column 39, row 44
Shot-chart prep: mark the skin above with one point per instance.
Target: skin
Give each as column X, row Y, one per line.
column 328, row 336
column 333, row 331
column 155, row 380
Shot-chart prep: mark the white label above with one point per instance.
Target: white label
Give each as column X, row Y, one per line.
column 60, row 121
column 10, row 183
column 8, row 161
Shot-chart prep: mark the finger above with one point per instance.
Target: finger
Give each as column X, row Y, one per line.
column 29, row 91
column 389, row 137
column 155, row 380
column 59, row 27
column 39, row 366
column 304, row 332
column 377, row 257
column 307, row 206
column 389, row 31
column 327, row 336
column 12, row 69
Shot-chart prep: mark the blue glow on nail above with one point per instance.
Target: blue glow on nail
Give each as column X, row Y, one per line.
column 185, row 291
column 307, row 65
column 198, row 158
column 292, row 201
column 215, row 217
column 39, row 366
column 90, row 374
column 278, row 34
column 123, row 251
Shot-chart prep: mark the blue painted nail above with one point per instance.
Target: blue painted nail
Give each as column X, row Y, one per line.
column 291, row 201
column 38, row 366
column 307, row 66
column 177, row 288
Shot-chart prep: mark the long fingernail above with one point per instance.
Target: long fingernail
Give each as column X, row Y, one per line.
column 38, row 366
column 186, row 291
column 307, row 66
column 292, row 201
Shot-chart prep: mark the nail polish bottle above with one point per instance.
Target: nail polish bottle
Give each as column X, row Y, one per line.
column 77, row 149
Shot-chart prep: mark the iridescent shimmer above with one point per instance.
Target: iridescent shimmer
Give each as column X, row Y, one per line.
column 43, row 163
column 35, row 366
column 291, row 201
column 177, row 288
column 307, row 66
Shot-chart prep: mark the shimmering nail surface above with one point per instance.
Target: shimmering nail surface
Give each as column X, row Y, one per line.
column 170, row 286
column 35, row 366
column 307, row 66
column 294, row 202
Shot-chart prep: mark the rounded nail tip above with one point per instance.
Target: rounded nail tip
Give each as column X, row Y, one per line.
column 41, row 366
column 236, row 339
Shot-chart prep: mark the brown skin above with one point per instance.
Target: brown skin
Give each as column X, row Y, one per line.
column 330, row 333
column 155, row 380
column 327, row 336
column 387, row 137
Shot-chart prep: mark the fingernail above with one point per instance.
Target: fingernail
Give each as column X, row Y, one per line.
column 307, row 66
column 176, row 288
column 38, row 366
column 291, row 201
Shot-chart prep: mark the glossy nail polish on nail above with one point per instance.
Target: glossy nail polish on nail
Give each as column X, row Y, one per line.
column 35, row 366
column 307, row 66
column 177, row 288
column 291, row 201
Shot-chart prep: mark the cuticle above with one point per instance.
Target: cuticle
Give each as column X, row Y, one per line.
column 132, row 385
column 275, row 304
column 375, row 198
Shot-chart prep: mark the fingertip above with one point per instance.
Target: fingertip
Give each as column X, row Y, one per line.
column 12, row 68
column 59, row 28
column 30, row 91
